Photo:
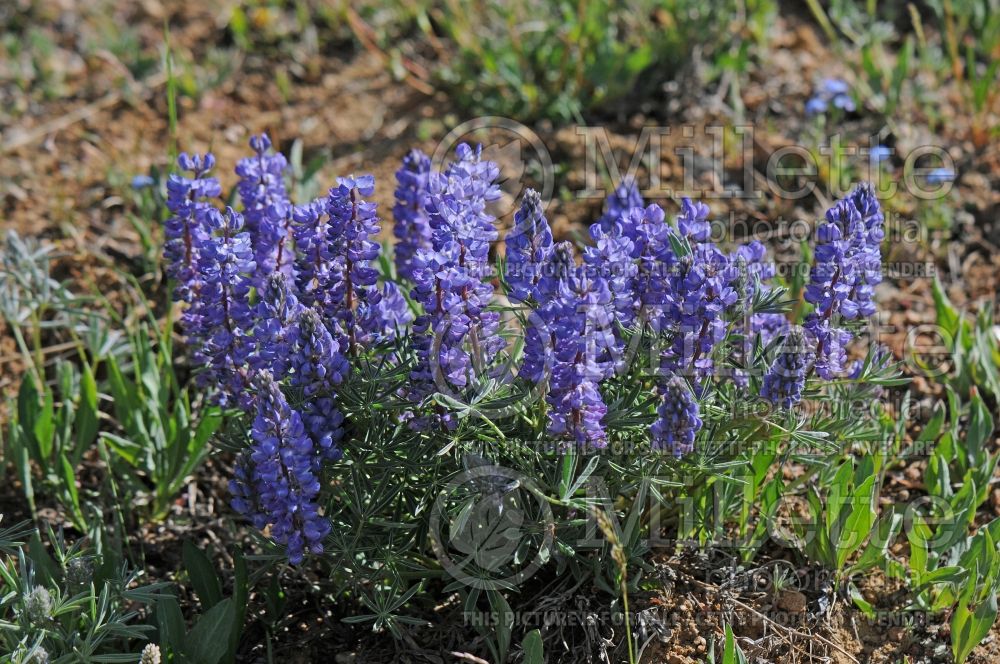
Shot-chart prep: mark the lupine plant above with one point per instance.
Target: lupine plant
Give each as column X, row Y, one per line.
column 398, row 414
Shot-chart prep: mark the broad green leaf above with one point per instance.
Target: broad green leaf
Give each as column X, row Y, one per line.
column 919, row 535
column 68, row 478
column 534, row 652
column 203, row 577
column 859, row 601
column 947, row 315
column 731, row 651
column 876, row 552
column 504, row 624
column 980, row 429
column 858, row 523
column 971, row 623
column 951, row 574
column 932, row 429
column 208, row 641
column 170, row 622
column 86, row 417
column 128, row 450
column 44, row 429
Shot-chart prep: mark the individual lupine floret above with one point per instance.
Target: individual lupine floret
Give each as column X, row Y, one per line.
column 276, row 484
column 412, row 224
column 187, row 226
column 223, row 312
column 678, row 420
column 582, row 356
column 759, row 269
column 353, row 227
column 693, row 223
column 529, row 249
column 266, row 207
column 784, row 382
column 625, row 197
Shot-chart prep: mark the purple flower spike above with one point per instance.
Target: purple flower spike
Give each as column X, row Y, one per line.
column 581, row 323
column 276, row 483
column 412, row 225
column 678, row 420
column 266, row 207
column 385, row 314
column 187, row 228
column 843, row 278
column 784, row 382
column 352, row 228
column 276, row 331
column 222, row 310
column 529, row 249
column 457, row 339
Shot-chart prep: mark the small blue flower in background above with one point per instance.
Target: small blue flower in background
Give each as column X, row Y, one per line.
column 833, row 91
column 878, row 154
column 142, row 182
column 815, row 106
column 940, row 176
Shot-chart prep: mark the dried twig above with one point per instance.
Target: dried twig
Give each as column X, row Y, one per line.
column 466, row 657
column 787, row 631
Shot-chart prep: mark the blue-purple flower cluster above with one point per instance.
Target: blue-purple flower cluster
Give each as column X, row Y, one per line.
column 678, row 418
column 842, row 281
column 283, row 299
column 784, row 382
column 279, row 299
column 277, row 482
column 846, row 269
column 457, row 335
column 832, row 92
